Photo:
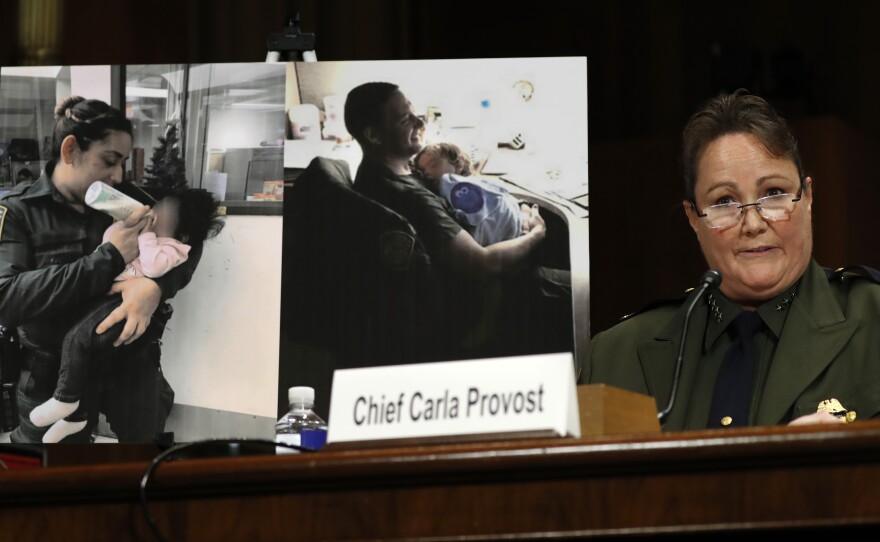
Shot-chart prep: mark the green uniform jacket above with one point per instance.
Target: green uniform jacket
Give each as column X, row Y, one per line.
column 829, row 348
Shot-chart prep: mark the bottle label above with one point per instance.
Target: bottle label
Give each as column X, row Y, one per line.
column 313, row 439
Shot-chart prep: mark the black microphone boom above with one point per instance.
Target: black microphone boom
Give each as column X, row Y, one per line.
column 711, row 279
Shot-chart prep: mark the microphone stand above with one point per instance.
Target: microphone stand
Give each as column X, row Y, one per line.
column 711, row 279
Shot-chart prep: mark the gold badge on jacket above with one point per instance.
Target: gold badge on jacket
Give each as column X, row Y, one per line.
column 832, row 406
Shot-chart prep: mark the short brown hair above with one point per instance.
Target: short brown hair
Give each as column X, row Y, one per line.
column 736, row 113
column 452, row 152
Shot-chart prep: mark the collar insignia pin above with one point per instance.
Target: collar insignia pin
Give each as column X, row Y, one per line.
column 786, row 301
column 716, row 311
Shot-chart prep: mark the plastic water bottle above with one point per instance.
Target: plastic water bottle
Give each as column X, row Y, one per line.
column 301, row 426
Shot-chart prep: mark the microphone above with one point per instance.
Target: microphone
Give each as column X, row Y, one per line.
column 710, row 280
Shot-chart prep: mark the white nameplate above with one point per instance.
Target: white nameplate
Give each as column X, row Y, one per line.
column 532, row 395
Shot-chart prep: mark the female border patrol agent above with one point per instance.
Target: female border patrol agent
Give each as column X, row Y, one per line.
column 781, row 341
column 52, row 262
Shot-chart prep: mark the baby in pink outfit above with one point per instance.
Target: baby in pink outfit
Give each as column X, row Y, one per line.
column 160, row 252
column 184, row 219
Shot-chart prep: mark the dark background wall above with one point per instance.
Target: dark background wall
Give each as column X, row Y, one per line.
column 650, row 65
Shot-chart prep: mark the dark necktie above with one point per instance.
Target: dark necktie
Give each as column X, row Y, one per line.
column 733, row 389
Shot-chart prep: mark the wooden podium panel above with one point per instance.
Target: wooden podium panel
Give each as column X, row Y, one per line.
column 606, row 410
column 668, row 485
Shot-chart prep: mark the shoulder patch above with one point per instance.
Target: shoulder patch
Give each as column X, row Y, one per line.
column 659, row 303
column 853, row 271
column 2, row 219
column 396, row 249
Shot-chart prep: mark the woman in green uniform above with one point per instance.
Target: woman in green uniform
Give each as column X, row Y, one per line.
column 781, row 338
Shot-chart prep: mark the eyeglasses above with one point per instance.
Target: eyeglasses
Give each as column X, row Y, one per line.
column 771, row 208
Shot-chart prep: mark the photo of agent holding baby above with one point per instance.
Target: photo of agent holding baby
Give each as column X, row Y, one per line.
column 55, row 263
column 184, row 218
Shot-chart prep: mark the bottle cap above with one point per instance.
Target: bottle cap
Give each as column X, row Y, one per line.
column 301, row 394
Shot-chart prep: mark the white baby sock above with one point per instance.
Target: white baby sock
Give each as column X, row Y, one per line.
column 61, row 429
column 51, row 411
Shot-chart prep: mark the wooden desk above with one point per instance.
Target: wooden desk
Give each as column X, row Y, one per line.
column 717, row 482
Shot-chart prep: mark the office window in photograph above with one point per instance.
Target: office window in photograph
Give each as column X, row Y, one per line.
column 235, row 136
column 27, row 104
column 154, row 98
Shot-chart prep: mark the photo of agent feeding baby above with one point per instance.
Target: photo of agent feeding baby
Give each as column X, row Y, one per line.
column 180, row 220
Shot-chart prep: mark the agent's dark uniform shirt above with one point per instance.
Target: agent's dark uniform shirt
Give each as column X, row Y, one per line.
column 49, row 265
column 52, row 263
column 429, row 214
